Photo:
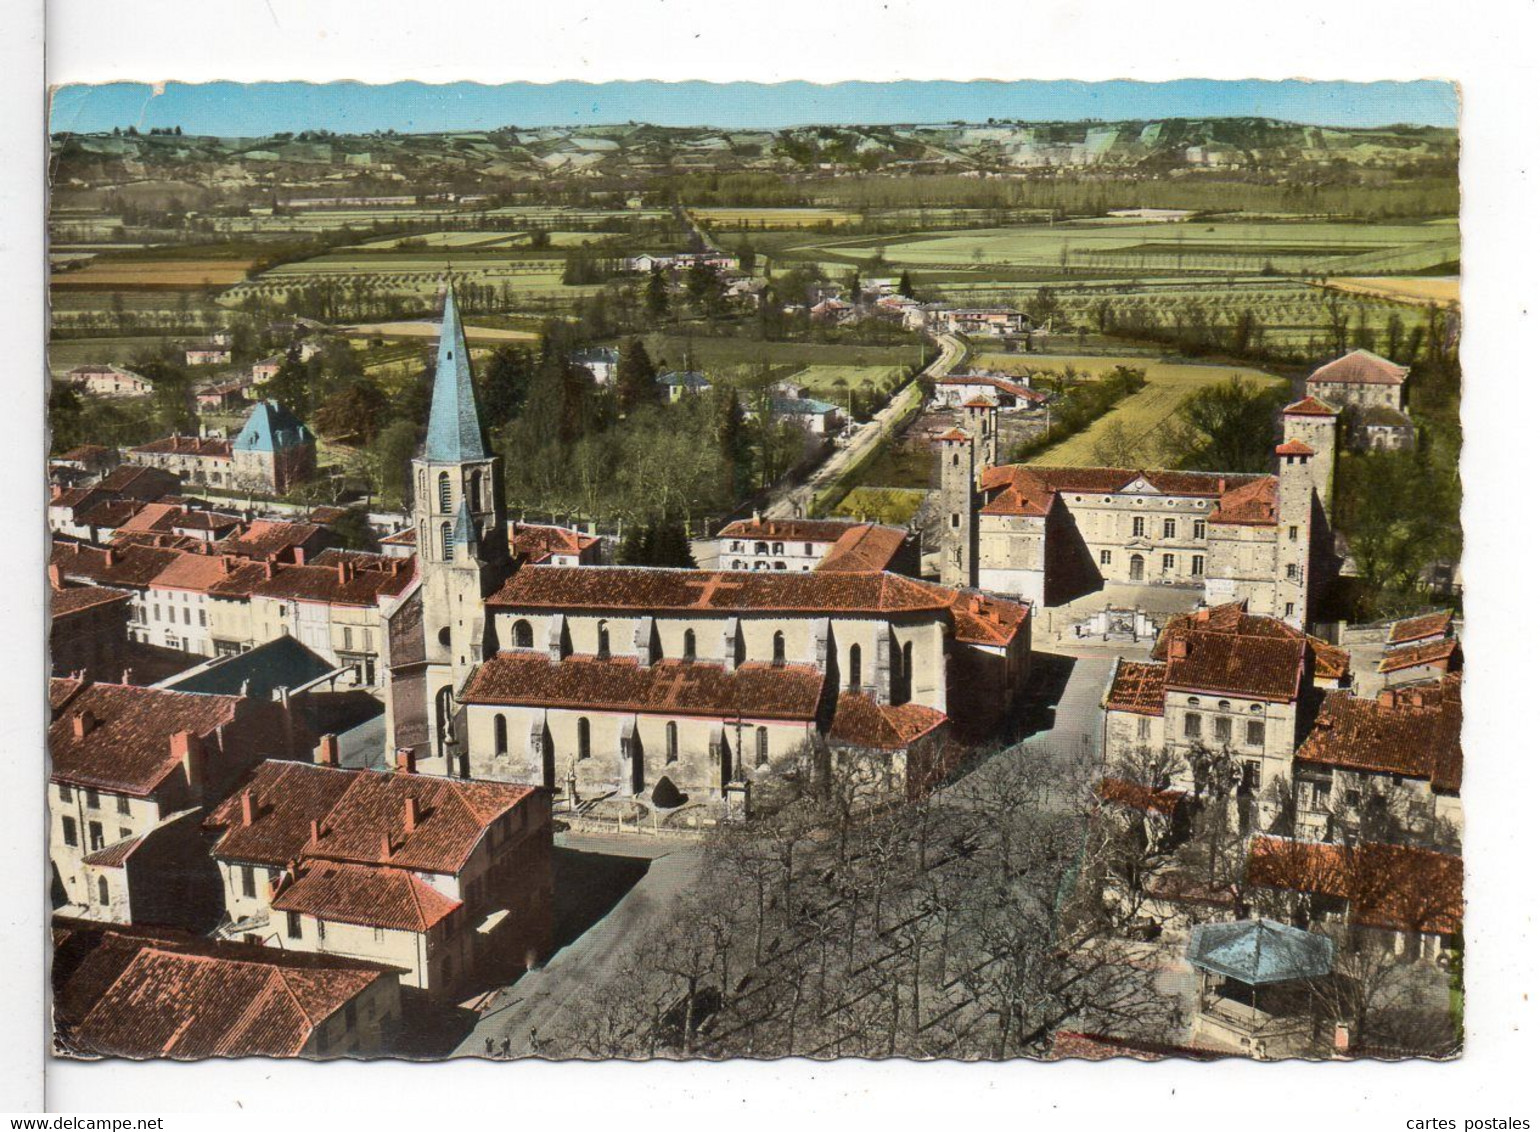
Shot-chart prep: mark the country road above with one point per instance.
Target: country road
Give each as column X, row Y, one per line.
column 793, row 502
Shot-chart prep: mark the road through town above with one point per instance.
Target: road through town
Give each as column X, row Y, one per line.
column 794, row 502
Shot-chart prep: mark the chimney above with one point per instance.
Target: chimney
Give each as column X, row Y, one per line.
column 342, row 571
column 1201, row 616
column 406, row 760
column 110, row 556
column 226, row 563
column 188, row 750
column 267, row 568
column 299, row 555
column 1178, row 649
column 315, row 830
column 384, row 846
column 413, row 814
column 83, row 724
column 248, row 807
column 1387, row 698
column 55, row 576
column 759, row 516
column 128, row 676
column 1416, row 699
column 328, row 752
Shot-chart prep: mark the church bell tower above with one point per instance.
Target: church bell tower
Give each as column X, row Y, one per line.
column 462, row 538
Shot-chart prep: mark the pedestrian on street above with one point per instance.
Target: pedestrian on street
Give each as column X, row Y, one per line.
column 489, row 1045
column 507, row 1048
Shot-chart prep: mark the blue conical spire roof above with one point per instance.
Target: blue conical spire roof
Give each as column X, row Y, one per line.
column 465, row 527
column 454, row 423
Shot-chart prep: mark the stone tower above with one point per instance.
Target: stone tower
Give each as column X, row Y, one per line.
column 980, row 421
column 1313, row 423
column 1297, row 508
column 959, row 511
column 462, row 536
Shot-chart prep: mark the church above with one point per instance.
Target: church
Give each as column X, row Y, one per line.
column 604, row 681
column 1047, row 535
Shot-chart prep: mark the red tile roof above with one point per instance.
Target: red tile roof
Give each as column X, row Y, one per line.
column 110, row 514
column 863, row 547
column 1138, row 688
column 1309, row 407
column 953, row 435
column 336, row 582
column 168, row 1002
column 1429, row 625
column 1331, row 662
column 356, row 894
column 85, row 453
column 1103, row 1047
column 116, row 855
column 187, row 446
column 71, row 600
column 1359, row 368
column 1295, row 447
column 1136, row 796
column 1004, row 385
column 129, row 565
column 151, row 517
column 859, row 721
column 1412, row 730
column 269, row 538
column 981, row 620
column 216, row 574
column 791, row 530
column 127, row 744
column 659, row 590
column 671, row 687
column 1396, row 887
column 1259, row 668
column 1028, row 489
column 1443, row 654
column 142, row 482
column 1253, row 504
column 356, row 810
column 537, row 544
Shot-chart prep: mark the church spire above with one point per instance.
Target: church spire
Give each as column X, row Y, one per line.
column 454, row 423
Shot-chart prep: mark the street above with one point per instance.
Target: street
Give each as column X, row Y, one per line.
column 793, row 502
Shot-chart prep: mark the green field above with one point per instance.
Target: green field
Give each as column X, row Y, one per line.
column 835, row 382
column 892, row 505
column 1337, row 248
column 721, row 353
column 68, row 353
column 1139, row 415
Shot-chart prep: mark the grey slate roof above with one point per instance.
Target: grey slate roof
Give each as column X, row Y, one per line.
column 1258, row 952
column 454, row 422
column 272, row 428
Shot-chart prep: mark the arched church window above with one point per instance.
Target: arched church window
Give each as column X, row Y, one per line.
column 446, row 541
column 444, row 492
column 523, row 635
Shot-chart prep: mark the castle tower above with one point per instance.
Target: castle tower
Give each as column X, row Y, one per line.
column 981, row 422
column 1313, row 423
column 1297, row 509
column 462, row 535
column 959, row 512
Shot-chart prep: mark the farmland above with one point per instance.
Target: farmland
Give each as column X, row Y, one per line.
column 1138, row 417
column 834, row 382
column 761, row 218
column 1444, row 290
column 156, row 274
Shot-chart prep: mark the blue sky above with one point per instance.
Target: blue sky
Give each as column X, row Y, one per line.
column 234, row 109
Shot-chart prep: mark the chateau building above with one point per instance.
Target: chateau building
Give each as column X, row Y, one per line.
column 273, row 452
column 1048, row 535
column 608, row 680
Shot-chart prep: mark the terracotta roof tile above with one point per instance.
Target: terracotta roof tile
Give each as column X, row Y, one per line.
column 658, row 590
column 760, row 691
column 1252, row 504
column 1309, row 407
column 186, row 446
column 127, row 733
column 1359, row 368
column 1136, row 796
column 356, row 810
column 116, row 855
column 1261, row 668
column 1138, row 688
column 268, row 538
column 537, row 544
column 1028, row 489
column 978, row 619
column 168, row 1002
column 71, row 600
column 1428, row 625
column 130, row 565
column 860, row 721
column 1295, row 447
column 863, row 547
column 792, row 530
column 337, row 581
column 357, row 894
column 1331, row 662
column 1412, row 730
column 1396, row 887
column 1443, row 654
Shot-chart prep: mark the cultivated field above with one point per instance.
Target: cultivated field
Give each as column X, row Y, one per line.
column 426, row 329
column 752, row 218
column 835, row 382
column 1443, row 290
column 1140, row 415
column 893, row 505
column 152, row 274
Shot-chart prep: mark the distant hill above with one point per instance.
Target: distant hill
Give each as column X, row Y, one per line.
column 631, row 150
